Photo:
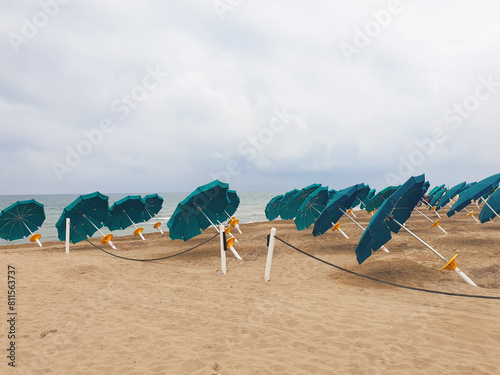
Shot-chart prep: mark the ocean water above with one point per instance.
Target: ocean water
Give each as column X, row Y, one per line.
column 251, row 209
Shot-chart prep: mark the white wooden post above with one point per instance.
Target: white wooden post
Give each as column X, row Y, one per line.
column 222, row 251
column 270, row 255
column 67, row 234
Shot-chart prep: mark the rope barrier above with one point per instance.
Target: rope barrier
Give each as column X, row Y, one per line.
column 386, row 282
column 144, row 260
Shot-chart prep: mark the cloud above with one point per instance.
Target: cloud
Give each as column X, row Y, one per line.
column 226, row 79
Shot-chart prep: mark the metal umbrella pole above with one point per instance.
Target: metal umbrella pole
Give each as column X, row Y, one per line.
column 450, row 265
column 106, row 237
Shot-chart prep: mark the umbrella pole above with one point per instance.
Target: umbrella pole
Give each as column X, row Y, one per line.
column 434, row 223
column 29, row 230
column 491, row 208
column 139, row 232
column 363, row 229
column 206, row 217
column 100, row 231
column 456, row 269
column 156, row 222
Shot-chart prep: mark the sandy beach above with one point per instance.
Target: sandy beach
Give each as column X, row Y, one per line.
column 89, row 313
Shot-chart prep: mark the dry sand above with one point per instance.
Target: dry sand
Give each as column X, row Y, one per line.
column 90, row 313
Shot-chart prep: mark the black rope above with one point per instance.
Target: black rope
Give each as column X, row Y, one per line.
column 144, row 260
column 385, row 282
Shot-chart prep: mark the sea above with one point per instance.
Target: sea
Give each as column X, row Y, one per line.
column 250, row 210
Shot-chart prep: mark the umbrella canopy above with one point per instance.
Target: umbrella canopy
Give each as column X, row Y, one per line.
column 198, row 210
column 457, row 189
column 335, row 208
column 126, row 212
column 232, row 206
column 380, row 197
column 312, row 207
column 435, row 189
column 283, row 207
column 331, row 193
column 487, row 213
column 437, row 196
column 361, row 195
column 152, row 205
column 292, row 207
column 87, row 213
column 474, row 192
column 370, row 195
column 21, row 219
column 398, row 206
column 272, row 207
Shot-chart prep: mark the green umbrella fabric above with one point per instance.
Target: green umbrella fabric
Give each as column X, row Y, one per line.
column 399, row 207
column 488, row 185
column 487, row 213
column 232, row 206
column 84, row 211
column 153, row 204
column 380, row 197
column 370, row 195
column 292, row 207
column 457, row 189
column 333, row 211
column 21, row 219
column 283, row 207
column 194, row 213
column 272, row 207
column 437, row 196
column 312, row 207
column 126, row 212
column 435, row 189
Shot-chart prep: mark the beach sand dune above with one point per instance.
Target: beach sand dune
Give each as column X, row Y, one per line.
column 89, row 313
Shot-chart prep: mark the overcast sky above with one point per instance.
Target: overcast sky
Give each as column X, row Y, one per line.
column 129, row 96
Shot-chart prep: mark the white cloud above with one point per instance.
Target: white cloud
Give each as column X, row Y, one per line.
column 228, row 77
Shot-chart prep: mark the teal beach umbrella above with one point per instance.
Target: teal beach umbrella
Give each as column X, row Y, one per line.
column 292, row 207
column 391, row 217
column 198, row 211
column 455, row 190
column 476, row 191
column 283, row 210
column 153, row 204
column 312, row 207
column 87, row 213
column 436, row 197
column 380, row 197
column 272, row 208
column 491, row 207
column 126, row 212
column 21, row 219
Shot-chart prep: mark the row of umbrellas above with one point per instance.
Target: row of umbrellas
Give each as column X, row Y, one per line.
column 207, row 205
column 317, row 205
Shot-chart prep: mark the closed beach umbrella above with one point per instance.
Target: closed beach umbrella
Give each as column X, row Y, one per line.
column 486, row 186
column 126, row 212
column 198, row 210
column 335, row 208
column 312, row 207
column 436, row 197
column 21, row 219
column 283, row 207
column 380, row 197
column 153, row 204
column 457, row 189
column 272, row 207
column 391, row 217
column 292, row 207
column 491, row 207
column 87, row 213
